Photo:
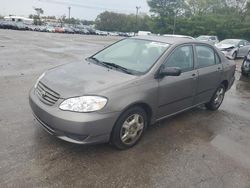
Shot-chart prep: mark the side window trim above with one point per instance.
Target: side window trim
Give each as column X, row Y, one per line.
column 176, row 48
column 217, row 55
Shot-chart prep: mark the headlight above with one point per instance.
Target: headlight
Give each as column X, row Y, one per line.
column 83, row 104
column 40, row 77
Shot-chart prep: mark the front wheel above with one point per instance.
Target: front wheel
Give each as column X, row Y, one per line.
column 129, row 128
column 243, row 72
column 217, row 98
column 234, row 56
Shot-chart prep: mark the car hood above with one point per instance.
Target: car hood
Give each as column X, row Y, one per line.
column 84, row 78
column 225, row 46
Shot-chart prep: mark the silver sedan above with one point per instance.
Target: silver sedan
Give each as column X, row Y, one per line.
column 234, row 48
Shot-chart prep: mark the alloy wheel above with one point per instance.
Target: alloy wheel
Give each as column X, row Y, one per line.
column 219, row 96
column 132, row 129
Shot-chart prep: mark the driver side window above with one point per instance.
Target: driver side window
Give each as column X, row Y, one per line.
column 241, row 43
column 182, row 57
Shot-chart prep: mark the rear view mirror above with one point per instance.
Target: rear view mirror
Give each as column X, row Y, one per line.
column 169, row 71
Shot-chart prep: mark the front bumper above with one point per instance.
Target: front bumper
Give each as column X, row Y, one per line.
column 228, row 54
column 79, row 128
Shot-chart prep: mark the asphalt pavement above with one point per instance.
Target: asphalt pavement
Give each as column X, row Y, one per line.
column 197, row 148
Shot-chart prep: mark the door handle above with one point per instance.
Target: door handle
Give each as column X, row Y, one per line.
column 194, row 76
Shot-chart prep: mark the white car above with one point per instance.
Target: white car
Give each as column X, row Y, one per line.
column 207, row 38
column 234, row 48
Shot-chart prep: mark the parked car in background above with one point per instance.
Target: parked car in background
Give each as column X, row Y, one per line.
column 59, row 30
column 234, row 48
column 68, row 30
column 115, row 94
column 144, row 33
column 8, row 25
column 102, row 33
column 50, row 29
column 245, row 67
column 178, row 36
column 21, row 26
column 207, row 38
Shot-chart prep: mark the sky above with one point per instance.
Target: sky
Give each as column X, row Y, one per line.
column 83, row 9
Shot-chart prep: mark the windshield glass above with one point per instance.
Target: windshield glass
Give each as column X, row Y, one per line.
column 230, row 41
column 133, row 54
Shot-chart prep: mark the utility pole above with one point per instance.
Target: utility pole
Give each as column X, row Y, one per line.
column 137, row 11
column 175, row 17
column 69, row 11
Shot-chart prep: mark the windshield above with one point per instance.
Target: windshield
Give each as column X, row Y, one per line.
column 133, row 54
column 230, row 41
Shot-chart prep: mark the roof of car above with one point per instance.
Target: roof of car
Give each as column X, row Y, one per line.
column 180, row 36
column 168, row 40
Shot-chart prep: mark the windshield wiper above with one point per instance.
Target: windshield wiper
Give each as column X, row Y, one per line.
column 118, row 67
column 110, row 65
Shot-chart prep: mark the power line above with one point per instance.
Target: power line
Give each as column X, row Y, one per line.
column 82, row 6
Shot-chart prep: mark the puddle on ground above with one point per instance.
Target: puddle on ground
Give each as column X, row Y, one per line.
column 232, row 149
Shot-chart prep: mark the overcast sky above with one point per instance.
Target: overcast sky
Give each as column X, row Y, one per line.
column 84, row 9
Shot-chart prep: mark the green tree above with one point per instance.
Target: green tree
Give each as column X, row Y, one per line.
column 110, row 21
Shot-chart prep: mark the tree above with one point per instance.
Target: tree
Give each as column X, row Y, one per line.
column 111, row 21
column 165, row 13
column 36, row 18
column 198, row 7
column 39, row 11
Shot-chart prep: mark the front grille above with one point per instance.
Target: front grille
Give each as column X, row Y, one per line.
column 46, row 95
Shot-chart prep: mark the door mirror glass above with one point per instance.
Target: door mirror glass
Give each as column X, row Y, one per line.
column 169, row 71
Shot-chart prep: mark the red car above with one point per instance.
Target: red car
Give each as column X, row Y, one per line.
column 59, row 30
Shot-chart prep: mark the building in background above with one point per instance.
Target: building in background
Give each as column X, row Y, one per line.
column 19, row 19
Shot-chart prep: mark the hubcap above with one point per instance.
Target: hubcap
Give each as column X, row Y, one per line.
column 132, row 129
column 219, row 96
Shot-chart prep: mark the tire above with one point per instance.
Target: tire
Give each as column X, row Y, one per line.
column 234, row 55
column 216, row 99
column 132, row 123
column 242, row 69
column 244, row 73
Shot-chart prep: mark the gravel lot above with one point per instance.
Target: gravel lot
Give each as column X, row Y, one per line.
column 197, row 148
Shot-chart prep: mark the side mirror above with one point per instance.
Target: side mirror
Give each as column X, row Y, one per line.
column 241, row 45
column 169, row 71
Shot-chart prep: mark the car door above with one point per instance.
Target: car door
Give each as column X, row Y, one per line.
column 242, row 48
column 245, row 49
column 177, row 92
column 209, row 72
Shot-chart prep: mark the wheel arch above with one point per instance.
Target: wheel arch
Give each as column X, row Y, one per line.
column 225, row 83
column 143, row 105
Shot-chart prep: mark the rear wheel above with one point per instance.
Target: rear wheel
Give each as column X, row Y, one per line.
column 129, row 128
column 217, row 98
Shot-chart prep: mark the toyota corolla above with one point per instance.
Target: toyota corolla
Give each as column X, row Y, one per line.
column 115, row 94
